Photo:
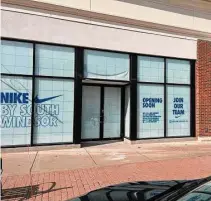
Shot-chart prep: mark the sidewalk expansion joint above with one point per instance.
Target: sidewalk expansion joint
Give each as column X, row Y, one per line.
column 30, row 170
column 90, row 156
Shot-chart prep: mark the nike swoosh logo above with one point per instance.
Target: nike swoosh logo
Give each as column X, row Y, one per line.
column 42, row 100
column 177, row 116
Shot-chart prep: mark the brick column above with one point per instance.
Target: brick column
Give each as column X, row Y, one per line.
column 203, row 89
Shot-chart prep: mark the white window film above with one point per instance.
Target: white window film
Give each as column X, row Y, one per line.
column 55, row 60
column 16, row 57
column 16, row 98
column 150, row 69
column 178, row 71
column 91, row 112
column 150, row 111
column 106, row 65
column 54, row 106
column 127, row 111
column 178, row 107
column 112, row 112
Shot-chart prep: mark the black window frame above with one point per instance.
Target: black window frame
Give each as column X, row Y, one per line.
column 165, row 85
column 132, row 83
column 33, row 76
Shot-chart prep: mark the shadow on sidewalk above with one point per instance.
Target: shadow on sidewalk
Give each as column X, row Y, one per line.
column 26, row 192
column 96, row 143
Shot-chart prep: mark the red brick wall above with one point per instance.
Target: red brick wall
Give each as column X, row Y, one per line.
column 203, row 89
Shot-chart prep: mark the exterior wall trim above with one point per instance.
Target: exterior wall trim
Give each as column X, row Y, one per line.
column 160, row 140
column 90, row 15
column 94, row 21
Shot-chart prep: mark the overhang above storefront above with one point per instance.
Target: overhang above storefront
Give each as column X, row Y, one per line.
column 186, row 18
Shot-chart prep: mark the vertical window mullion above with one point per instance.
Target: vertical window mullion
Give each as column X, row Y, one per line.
column 165, row 99
column 79, row 66
column 192, row 101
column 33, row 95
column 102, row 100
column 133, row 96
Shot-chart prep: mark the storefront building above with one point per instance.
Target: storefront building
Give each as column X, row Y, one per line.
column 65, row 79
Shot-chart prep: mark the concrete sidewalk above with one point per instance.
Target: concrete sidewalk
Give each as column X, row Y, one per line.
column 63, row 185
column 63, row 174
column 99, row 156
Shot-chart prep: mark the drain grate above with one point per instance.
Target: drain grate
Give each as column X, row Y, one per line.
column 19, row 192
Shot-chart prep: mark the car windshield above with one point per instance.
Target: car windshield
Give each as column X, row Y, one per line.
column 175, row 192
column 202, row 193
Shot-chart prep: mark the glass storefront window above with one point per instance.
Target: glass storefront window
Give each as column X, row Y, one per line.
column 16, row 98
column 127, row 111
column 178, row 111
column 54, row 95
column 16, row 57
column 54, row 106
column 150, row 69
column 55, row 60
column 106, row 65
column 150, row 111
column 178, row 71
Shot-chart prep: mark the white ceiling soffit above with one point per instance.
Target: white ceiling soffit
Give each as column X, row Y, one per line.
column 110, row 18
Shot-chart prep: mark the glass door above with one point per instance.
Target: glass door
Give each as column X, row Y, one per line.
column 91, row 109
column 101, row 112
column 112, row 112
